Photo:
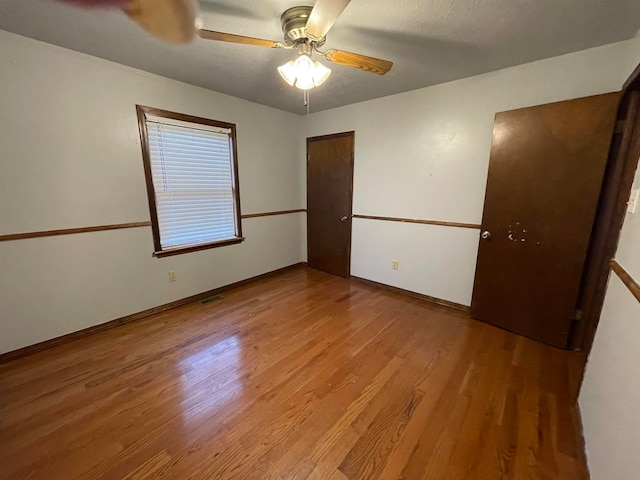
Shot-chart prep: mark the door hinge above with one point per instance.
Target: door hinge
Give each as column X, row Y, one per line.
column 619, row 126
column 577, row 315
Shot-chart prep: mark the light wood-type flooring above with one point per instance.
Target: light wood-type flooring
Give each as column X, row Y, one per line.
column 301, row 375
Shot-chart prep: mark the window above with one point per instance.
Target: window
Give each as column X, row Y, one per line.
column 192, row 181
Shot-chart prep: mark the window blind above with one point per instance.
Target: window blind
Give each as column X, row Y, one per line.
column 192, row 170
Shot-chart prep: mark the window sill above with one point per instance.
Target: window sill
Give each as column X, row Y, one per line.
column 194, row 248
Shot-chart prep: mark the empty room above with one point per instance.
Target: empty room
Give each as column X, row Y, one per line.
column 329, row 240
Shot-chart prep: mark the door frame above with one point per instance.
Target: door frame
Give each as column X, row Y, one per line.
column 623, row 162
column 351, row 133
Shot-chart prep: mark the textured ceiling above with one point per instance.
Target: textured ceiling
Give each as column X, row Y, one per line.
column 430, row 42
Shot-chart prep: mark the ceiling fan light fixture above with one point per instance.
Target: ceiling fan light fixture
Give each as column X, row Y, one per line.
column 304, row 73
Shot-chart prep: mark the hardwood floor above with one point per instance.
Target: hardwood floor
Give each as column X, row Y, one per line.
column 299, row 376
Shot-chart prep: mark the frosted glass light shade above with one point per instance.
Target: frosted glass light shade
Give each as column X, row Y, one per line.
column 288, row 72
column 304, row 73
column 320, row 73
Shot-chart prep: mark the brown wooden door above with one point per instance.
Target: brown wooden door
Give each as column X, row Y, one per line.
column 545, row 175
column 329, row 197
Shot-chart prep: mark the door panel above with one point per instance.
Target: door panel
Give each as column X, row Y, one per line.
column 329, row 197
column 545, row 175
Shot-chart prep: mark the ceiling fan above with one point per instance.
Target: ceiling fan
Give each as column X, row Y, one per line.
column 304, row 28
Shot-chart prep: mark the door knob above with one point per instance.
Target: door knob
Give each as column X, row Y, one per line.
column 344, row 219
column 486, row 235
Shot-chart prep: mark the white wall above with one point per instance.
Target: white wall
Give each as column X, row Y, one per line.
column 424, row 154
column 70, row 157
column 420, row 154
column 610, row 395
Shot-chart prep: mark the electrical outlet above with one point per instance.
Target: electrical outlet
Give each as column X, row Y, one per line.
column 633, row 201
column 172, row 276
column 394, row 264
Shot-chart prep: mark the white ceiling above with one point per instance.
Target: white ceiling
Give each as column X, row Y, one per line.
column 430, row 42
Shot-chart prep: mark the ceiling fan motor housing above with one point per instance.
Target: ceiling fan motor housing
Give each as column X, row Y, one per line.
column 294, row 23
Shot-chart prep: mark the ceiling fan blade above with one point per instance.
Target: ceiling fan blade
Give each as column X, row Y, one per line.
column 230, row 37
column 370, row 64
column 323, row 16
column 169, row 20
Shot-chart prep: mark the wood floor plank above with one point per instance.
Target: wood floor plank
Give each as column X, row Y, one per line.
column 302, row 375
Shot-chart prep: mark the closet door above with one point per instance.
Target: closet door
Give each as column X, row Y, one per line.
column 329, row 198
column 545, row 176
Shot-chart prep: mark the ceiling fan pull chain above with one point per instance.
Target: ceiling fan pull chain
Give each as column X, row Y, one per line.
column 306, row 93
